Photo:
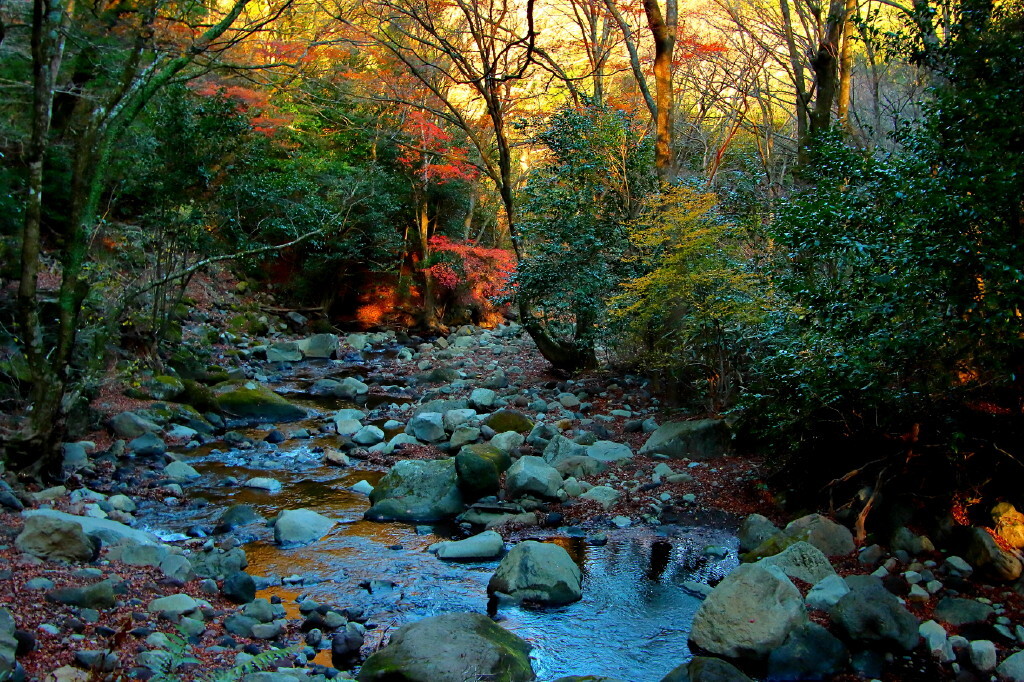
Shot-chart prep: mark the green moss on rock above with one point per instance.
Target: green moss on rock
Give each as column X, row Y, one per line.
column 509, row 420
column 257, row 403
column 453, row 646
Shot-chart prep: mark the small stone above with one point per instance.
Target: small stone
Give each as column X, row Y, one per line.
column 983, row 655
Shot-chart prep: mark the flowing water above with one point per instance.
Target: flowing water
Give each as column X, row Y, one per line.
column 632, row 622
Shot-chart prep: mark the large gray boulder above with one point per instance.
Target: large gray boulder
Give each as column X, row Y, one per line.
column 754, row 530
column 109, row 532
column 699, row 440
column 427, row 427
column 802, row 561
column 319, row 345
column 985, row 554
column 869, row 614
column 417, row 490
column 830, row 537
column 296, row 527
column 749, row 613
column 284, row 351
column 532, row 476
column 538, row 572
column 53, row 538
column 129, row 425
column 609, row 451
column 8, row 644
column 706, row 669
column 809, row 653
column 454, row 647
column 560, row 448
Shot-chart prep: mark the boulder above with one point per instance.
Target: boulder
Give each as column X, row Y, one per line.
column 508, row 420
column 609, row 451
column 482, row 398
column 300, row 527
column 985, row 554
column 802, row 561
column 109, row 532
column 96, row 596
column 532, row 476
column 603, row 495
column 368, row 435
column 319, row 345
column 508, row 441
column 580, row 467
column 180, row 472
column 450, row 647
column 957, row 611
column 129, row 425
column 486, row 545
column 237, row 516
column 827, row 592
column 871, row 615
column 479, row 468
column 254, row 402
column 239, row 587
column 750, row 613
column 54, row 538
column 464, row 435
column 1012, row 668
column 284, row 351
column 809, row 653
column 417, row 490
column 348, row 388
column 537, row 572
column 1009, row 524
column 706, row 669
column 427, row 427
column 830, row 537
column 754, row 530
column 147, row 444
column 560, row 448
column 453, row 419
column 174, row 605
column 8, row 644
column 703, row 439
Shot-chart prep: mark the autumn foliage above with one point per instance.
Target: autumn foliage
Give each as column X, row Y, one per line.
column 475, row 274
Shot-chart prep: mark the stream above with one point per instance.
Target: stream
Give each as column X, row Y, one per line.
column 632, row 622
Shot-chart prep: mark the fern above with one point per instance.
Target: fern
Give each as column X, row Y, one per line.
column 180, row 653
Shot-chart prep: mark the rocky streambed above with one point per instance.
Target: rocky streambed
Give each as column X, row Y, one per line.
column 392, row 508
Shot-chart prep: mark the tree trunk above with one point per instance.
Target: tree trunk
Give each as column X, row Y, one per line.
column 826, row 69
column 663, row 28
column 800, row 89
column 38, row 441
column 430, row 317
column 846, row 67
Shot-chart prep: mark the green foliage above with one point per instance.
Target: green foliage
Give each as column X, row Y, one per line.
column 903, row 276
column 179, row 653
column 686, row 317
column 574, row 212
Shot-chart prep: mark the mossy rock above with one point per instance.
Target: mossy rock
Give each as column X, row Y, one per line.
column 256, row 403
column 776, row 544
column 248, row 324
column 165, row 413
column 199, row 396
column 452, row 646
column 479, row 467
column 509, row 420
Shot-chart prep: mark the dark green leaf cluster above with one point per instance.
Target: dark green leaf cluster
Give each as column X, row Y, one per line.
column 573, row 221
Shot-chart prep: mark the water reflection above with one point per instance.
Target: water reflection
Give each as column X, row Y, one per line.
column 632, row 622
